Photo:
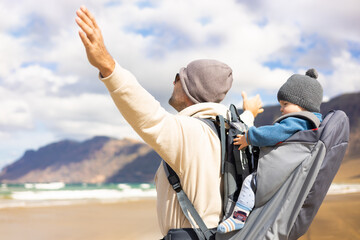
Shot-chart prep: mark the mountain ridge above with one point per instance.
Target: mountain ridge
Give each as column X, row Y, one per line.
column 102, row 159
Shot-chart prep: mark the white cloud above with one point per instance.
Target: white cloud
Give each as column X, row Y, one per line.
column 36, row 80
column 48, row 91
column 345, row 77
column 89, row 108
column 329, row 18
column 12, row 54
column 235, row 38
column 15, row 113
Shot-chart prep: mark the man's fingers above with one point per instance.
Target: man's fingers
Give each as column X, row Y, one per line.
column 244, row 95
column 259, row 99
column 89, row 16
column 86, row 24
column 259, row 103
column 84, row 39
column 88, row 30
column 83, row 14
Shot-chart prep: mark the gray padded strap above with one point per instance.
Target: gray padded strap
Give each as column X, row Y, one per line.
column 186, row 206
column 304, row 115
column 234, row 113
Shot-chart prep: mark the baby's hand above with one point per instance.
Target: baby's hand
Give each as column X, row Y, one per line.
column 241, row 141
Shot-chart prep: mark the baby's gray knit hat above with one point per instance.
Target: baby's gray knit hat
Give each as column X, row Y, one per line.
column 206, row 80
column 303, row 90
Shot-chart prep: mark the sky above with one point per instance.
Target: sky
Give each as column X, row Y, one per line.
column 49, row 92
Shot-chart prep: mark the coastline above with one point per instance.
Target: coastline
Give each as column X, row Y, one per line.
column 135, row 218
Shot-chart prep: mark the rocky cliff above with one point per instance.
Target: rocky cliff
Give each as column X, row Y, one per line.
column 104, row 159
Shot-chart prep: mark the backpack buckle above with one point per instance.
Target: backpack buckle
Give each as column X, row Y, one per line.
column 177, row 187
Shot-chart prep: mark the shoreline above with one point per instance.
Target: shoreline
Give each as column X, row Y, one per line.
column 13, row 198
column 337, row 218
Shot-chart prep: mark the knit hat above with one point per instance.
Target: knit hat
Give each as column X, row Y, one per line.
column 206, row 80
column 303, row 90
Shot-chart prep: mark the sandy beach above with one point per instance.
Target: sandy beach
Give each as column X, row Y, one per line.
column 94, row 221
column 338, row 218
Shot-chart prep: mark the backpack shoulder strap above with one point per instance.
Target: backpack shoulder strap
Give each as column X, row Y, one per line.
column 211, row 123
column 303, row 115
column 219, row 129
column 186, row 206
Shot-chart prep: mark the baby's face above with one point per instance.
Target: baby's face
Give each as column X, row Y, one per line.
column 288, row 107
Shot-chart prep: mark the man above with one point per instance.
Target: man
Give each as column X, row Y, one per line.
column 187, row 144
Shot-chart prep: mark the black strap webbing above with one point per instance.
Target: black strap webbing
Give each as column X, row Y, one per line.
column 220, row 131
column 221, row 121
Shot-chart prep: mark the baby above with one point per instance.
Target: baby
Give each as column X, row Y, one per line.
column 299, row 93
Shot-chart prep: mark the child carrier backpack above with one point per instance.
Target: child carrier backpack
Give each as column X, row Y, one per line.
column 285, row 210
column 289, row 195
column 236, row 165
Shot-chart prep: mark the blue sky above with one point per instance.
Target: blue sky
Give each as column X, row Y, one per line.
column 49, row 92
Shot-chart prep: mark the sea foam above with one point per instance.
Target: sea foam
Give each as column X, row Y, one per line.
column 343, row 188
column 56, row 194
column 52, row 194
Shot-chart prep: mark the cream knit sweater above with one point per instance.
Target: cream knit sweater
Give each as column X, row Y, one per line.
column 188, row 145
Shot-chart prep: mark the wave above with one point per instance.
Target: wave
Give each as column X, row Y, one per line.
column 56, row 194
column 343, row 188
column 51, row 194
column 53, row 185
column 82, row 194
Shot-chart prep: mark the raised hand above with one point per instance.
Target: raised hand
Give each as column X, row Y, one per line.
column 253, row 105
column 93, row 41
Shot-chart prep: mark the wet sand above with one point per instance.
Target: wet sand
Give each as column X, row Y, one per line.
column 338, row 218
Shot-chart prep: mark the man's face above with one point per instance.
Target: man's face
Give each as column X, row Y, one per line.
column 178, row 97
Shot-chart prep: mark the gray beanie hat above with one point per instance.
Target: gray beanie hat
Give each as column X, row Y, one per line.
column 206, row 80
column 303, row 90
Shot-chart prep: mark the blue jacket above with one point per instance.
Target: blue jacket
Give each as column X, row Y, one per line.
column 270, row 135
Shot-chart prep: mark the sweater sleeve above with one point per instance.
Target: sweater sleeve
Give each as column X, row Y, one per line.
column 163, row 131
column 248, row 118
column 271, row 135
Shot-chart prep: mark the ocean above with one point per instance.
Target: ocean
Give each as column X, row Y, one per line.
column 58, row 193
